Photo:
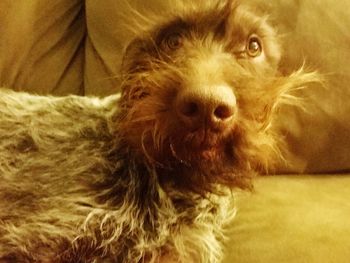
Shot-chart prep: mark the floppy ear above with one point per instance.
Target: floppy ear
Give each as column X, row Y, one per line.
column 138, row 56
column 131, row 61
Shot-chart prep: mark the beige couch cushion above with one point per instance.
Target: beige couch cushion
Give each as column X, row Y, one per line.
column 292, row 219
column 107, row 38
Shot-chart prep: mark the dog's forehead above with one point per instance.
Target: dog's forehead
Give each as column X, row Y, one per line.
column 196, row 16
column 233, row 17
column 205, row 12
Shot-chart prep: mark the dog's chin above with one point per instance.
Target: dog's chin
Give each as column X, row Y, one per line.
column 202, row 169
column 199, row 164
column 207, row 153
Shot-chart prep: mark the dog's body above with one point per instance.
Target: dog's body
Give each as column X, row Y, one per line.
column 147, row 176
column 70, row 192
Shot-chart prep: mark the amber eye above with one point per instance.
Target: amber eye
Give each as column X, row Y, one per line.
column 173, row 41
column 254, row 47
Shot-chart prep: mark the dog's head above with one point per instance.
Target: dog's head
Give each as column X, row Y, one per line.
column 200, row 88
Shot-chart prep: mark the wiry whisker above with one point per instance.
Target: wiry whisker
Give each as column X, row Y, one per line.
column 144, row 137
column 176, row 156
column 157, row 137
column 113, row 77
column 295, row 83
column 143, row 119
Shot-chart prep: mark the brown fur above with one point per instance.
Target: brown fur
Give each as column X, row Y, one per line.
column 122, row 179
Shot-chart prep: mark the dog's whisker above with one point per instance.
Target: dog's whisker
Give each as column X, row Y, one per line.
column 173, row 151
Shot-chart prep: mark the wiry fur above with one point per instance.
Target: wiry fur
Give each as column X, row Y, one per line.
column 119, row 179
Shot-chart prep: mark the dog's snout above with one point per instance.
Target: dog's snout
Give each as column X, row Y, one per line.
column 213, row 106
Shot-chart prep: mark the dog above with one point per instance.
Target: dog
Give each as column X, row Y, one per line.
column 147, row 175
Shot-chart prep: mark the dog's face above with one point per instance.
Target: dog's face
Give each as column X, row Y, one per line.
column 199, row 90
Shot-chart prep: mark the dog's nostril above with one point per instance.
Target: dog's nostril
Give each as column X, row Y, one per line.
column 223, row 112
column 189, row 109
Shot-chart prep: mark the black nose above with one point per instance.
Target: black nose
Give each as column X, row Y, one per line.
column 212, row 106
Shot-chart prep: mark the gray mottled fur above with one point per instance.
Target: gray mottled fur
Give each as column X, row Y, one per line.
column 71, row 192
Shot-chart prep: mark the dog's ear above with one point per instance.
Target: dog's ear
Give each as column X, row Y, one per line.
column 130, row 62
column 138, row 55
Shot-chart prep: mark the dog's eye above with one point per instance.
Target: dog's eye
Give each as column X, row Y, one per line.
column 254, row 47
column 173, row 41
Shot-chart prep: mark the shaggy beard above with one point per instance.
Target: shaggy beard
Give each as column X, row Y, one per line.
column 196, row 161
column 207, row 160
column 196, row 147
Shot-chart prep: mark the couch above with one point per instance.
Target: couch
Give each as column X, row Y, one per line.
column 300, row 214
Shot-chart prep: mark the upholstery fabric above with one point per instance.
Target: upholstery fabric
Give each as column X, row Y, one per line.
column 42, row 45
column 107, row 39
column 316, row 33
column 292, row 219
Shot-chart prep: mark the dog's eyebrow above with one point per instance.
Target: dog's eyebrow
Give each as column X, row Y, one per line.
column 213, row 19
column 177, row 25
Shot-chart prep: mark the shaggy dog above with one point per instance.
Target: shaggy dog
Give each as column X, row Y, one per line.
column 147, row 175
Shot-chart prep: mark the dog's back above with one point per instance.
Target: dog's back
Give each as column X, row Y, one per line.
column 51, row 151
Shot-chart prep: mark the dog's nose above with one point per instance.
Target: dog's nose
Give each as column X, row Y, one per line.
column 213, row 106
